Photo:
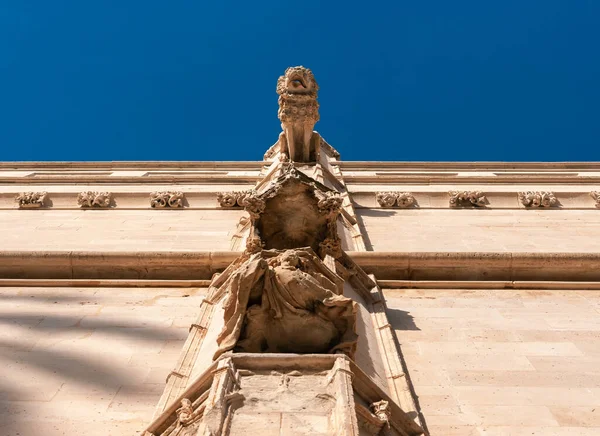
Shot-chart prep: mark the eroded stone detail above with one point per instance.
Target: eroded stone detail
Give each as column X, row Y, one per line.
column 596, row 196
column 286, row 302
column 298, row 112
column 467, row 198
column 381, row 409
column 294, row 211
column 94, row 199
column 538, row 199
column 233, row 199
column 391, row 199
column 161, row 200
column 30, row 200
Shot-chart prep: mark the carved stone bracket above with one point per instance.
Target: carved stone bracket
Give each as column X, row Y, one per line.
column 308, row 219
column 30, row 200
column 596, row 196
column 467, row 198
column 538, row 199
column 399, row 199
column 233, row 199
column 162, row 200
column 94, row 199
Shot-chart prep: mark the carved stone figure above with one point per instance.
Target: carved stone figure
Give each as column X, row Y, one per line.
column 161, row 200
column 31, row 199
column 289, row 303
column 381, row 409
column 596, row 196
column 538, row 199
column 467, row 198
column 94, row 199
column 298, row 112
column 391, row 199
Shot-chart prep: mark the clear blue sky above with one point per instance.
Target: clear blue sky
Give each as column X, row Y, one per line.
column 400, row 80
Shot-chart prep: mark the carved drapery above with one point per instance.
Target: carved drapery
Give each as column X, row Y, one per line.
column 94, row 199
column 273, row 302
column 30, row 200
column 392, row 199
column 532, row 199
column 467, row 198
column 162, row 200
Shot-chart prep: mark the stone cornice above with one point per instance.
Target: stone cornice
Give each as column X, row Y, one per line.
column 177, row 265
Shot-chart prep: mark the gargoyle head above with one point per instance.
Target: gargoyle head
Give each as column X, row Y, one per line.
column 297, row 80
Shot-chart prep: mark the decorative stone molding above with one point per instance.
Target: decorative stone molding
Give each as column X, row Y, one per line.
column 233, row 199
column 162, row 200
column 596, row 196
column 94, row 199
column 467, row 198
column 31, row 200
column 538, row 199
column 391, row 199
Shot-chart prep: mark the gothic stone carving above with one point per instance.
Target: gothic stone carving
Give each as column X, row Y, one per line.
column 538, row 199
column 31, row 199
column 289, row 303
column 298, row 112
column 381, row 409
column 467, row 198
column 161, row 200
column 233, row 199
column 391, row 199
column 94, row 199
column 294, row 211
column 596, row 196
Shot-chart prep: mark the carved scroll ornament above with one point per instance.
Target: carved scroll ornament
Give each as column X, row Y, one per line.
column 391, row 199
column 538, row 199
column 233, row 199
column 289, row 303
column 29, row 200
column 467, row 198
column 596, row 196
column 94, row 199
column 162, row 200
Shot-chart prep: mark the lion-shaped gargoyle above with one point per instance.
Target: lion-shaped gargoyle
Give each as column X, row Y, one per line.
column 298, row 112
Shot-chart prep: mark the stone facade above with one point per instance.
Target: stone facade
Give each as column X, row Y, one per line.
column 300, row 295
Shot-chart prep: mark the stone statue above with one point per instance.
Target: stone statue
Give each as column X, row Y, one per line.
column 298, row 112
column 286, row 304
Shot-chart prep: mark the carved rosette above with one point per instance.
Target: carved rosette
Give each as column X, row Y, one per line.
column 163, row 200
column 467, row 198
column 399, row 199
column 31, row 200
column 233, row 199
column 532, row 199
column 596, row 196
column 94, row 199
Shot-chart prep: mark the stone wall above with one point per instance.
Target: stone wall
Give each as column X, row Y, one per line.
column 502, row 362
column 88, row 361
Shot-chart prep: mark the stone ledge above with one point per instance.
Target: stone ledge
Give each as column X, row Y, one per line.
column 187, row 265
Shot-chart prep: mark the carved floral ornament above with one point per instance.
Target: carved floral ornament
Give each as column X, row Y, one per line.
column 399, row 199
column 234, row 198
column 30, row 200
column 94, row 199
column 467, row 198
column 533, row 199
column 596, row 196
column 163, row 200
